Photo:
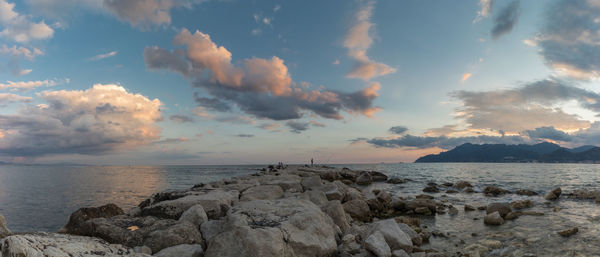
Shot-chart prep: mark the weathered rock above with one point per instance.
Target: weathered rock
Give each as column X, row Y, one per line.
column 364, row 179
column 469, row 190
column 311, row 182
column 180, row 233
column 501, row 208
column 275, row 228
column 334, row 194
column 52, row 244
column 477, row 250
column 143, row 249
column 431, row 189
column 494, row 191
column 554, row 194
column 377, row 245
column 423, row 211
column 512, row 215
column 452, row 210
column 462, row 184
column 215, row 202
column 183, row 250
column 4, row 231
column 424, row 196
column 451, row 191
column 194, row 215
column 78, row 217
column 493, row 219
column 358, row 209
column 526, row 192
column 492, row 244
column 335, row 210
column 287, row 182
column 378, row 176
column 262, row 192
column 414, row 236
column 568, row 232
column 400, row 253
column 211, row 228
column 315, row 196
column 469, row 207
column 394, row 236
column 521, row 204
column 395, row 181
column 585, row 194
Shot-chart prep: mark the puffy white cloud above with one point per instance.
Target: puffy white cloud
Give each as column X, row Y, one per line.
column 18, row 51
column 19, row 27
column 102, row 119
column 145, row 13
column 11, row 98
column 358, row 40
column 259, row 87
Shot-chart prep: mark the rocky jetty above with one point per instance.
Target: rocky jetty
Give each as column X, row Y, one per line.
column 296, row 211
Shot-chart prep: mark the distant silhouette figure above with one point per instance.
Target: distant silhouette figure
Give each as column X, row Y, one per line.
column 312, row 162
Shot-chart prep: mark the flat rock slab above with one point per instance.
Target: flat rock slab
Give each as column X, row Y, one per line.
column 58, row 245
column 215, row 202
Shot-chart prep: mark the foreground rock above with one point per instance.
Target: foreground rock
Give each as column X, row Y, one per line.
column 183, row 250
column 4, row 231
column 285, row 227
column 493, row 219
column 568, row 232
column 215, row 202
column 52, row 244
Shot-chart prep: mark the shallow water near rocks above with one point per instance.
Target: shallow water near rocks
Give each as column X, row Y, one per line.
column 40, row 198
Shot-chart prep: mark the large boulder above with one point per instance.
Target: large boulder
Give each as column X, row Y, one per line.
column 262, row 192
column 195, row 215
column 394, row 236
column 78, row 217
column 364, row 179
column 284, row 227
column 414, row 236
column 180, row 233
column 53, row 244
column 377, row 245
column 501, row 208
column 287, row 182
column 183, row 250
column 358, row 209
column 215, row 202
column 211, row 228
column 335, row 210
column 4, row 231
column 311, row 182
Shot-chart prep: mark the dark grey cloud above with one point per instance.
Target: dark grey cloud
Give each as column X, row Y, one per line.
column 569, row 40
column 506, row 19
column 179, row 118
column 297, row 127
column 443, row 142
column 244, row 135
column 398, row 130
column 171, row 140
column 258, row 87
column 549, row 133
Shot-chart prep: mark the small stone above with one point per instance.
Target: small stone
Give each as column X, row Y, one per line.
column 452, row 210
column 522, row 204
column 495, row 191
column 526, row 192
column 501, row 208
column 493, row 244
column 469, row 207
column 511, row 216
column 423, row 211
column 431, row 189
column 462, row 184
column 568, row 232
column 493, row 219
column 451, row 191
column 554, row 194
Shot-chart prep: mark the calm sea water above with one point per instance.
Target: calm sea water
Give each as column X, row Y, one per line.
column 38, row 198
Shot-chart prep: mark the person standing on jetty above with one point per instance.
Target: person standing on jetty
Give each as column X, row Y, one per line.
column 312, row 162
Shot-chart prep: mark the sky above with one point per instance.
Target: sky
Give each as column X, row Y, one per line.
column 150, row 82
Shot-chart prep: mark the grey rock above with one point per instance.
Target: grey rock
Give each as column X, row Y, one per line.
column 494, row 191
column 493, row 219
column 183, row 250
column 364, row 179
column 377, row 245
column 393, row 235
column 143, row 249
column 286, row 182
column 4, row 231
column 358, row 209
column 211, row 228
column 215, row 202
column 400, row 253
column 414, row 236
column 245, row 241
column 554, row 194
column 335, row 210
column 311, row 182
column 521, row 204
column 262, row 192
column 180, row 233
column 501, row 208
column 462, row 184
column 194, row 215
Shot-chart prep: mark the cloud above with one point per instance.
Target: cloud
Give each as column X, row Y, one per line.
column 569, row 40
column 486, row 10
column 103, row 56
column 297, row 127
column 529, row 106
column 29, row 85
column 12, row 98
column 244, row 135
column 358, row 40
column 422, row 142
column 398, row 130
column 506, row 19
column 235, row 119
column 269, row 126
column 171, row 141
column 201, row 112
column 20, row 28
column 146, row 13
column 99, row 120
column 178, row 118
column 315, row 123
column 259, row 87
column 548, row 133
column 18, row 51
column 276, row 8
column 465, row 77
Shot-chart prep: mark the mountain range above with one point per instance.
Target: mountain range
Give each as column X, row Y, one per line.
column 542, row 152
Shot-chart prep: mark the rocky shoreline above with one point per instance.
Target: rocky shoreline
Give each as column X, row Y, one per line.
column 285, row 211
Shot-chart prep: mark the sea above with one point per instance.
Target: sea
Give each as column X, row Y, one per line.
column 41, row 198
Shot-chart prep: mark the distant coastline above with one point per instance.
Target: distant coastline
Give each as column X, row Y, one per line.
column 502, row 153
